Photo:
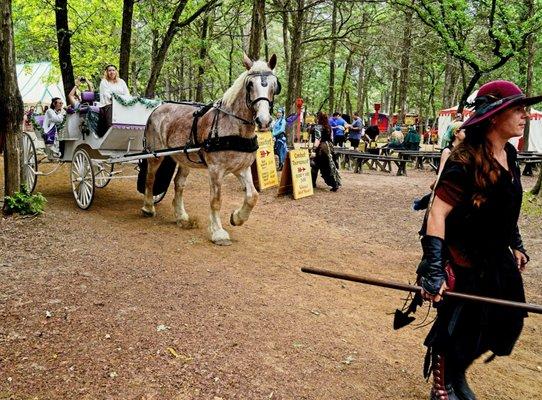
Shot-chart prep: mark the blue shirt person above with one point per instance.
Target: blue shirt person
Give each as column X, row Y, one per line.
column 279, row 135
column 338, row 126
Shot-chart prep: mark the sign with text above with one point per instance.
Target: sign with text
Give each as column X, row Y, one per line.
column 301, row 173
column 265, row 162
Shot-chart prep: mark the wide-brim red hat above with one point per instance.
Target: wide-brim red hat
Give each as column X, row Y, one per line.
column 496, row 96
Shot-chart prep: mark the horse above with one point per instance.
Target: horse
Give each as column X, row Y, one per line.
column 233, row 119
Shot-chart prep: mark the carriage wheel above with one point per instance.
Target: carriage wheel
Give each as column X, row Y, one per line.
column 159, row 197
column 29, row 163
column 82, row 176
column 102, row 173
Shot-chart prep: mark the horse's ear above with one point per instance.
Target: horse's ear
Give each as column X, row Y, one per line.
column 247, row 62
column 272, row 61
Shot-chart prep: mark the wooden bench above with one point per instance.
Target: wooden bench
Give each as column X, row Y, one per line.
column 432, row 158
column 373, row 161
column 529, row 161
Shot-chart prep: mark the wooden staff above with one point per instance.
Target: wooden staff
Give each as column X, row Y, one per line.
column 532, row 308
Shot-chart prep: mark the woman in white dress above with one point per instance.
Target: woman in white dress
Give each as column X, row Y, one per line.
column 111, row 83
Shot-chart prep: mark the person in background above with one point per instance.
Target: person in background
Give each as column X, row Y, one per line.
column 453, row 136
column 451, row 139
column 111, row 83
column 338, row 125
column 412, row 139
column 396, row 138
column 356, row 131
column 471, row 233
column 324, row 160
column 53, row 116
column 74, row 97
column 279, row 136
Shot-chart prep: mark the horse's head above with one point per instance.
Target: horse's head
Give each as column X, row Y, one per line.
column 261, row 86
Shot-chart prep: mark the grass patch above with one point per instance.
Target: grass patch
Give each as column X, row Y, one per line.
column 532, row 205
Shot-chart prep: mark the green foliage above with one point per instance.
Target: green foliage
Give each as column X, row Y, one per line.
column 25, row 203
column 532, row 206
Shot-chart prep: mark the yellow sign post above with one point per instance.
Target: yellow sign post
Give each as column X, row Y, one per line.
column 266, row 170
column 300, row 170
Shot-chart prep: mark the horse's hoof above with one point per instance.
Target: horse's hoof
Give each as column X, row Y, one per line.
column 233, row 222
column 147, row 213
column 222, row 242
column 189, row 223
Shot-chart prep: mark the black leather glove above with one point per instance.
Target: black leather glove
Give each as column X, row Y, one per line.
column 517, row 243
column 431, row 269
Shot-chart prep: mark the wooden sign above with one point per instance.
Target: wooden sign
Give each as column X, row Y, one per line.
column 266, row 170
column 296, row 175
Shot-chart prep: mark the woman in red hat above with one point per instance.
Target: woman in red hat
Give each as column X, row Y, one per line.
column 471, row 242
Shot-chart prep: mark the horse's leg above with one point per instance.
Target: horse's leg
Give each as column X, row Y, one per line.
column 239, row 216
column 148, row 206
column 218, row 234
column 178, row 204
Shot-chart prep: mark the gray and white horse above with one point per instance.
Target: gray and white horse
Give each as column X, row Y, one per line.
column 245, row 104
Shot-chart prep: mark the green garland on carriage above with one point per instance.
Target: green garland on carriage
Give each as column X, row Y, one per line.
column 148, row 103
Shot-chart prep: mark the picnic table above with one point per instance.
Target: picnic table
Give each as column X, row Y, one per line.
column 432, row 158
column 529, row 160
column 373, row 161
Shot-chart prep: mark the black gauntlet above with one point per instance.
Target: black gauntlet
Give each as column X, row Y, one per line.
column 431, row 269
column 516, row 242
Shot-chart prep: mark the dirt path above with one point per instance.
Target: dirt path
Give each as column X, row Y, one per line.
column 141, row 309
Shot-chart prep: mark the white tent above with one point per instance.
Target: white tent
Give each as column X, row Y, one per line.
column 38, row 83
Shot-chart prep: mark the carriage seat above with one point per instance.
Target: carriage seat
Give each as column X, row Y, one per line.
column 87, row 101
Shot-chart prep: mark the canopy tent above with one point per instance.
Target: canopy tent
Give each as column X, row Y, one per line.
column 38, row 84
column 535, row 127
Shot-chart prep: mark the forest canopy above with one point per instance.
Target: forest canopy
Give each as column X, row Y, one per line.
column 411, row 56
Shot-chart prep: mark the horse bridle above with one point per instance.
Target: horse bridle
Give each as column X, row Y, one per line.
column 263, row 76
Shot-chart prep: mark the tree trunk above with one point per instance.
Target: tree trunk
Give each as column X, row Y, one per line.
column 202, row 57
column 343, row 90
column 529, row 84
column 256, row 29
column 405, row 61
column 125, row 39
column 295, row 59
column 11, row 106
column 536, row 189
column 332, row 51
column 393, row 94
column 361, row 77
column 285, row 21
column 63, row 36
column 469, row 88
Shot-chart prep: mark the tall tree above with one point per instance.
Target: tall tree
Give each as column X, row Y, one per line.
column 202, row 56
column 11, row 106
column 175, row 25
column 404, row 68
column 332, row 60
column 126, row 39
column 256, row 29
column 63, row 35
column 483, row 35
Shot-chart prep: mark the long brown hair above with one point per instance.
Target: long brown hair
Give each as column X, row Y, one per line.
column 324, row 121
column 476, row 151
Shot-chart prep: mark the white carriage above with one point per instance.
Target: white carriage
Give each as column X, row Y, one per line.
column 93, row 158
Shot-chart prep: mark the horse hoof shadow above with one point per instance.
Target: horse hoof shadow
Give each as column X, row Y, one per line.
column 223, row 242
column 147, row 213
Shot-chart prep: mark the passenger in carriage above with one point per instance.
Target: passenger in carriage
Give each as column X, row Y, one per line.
column 111, row 83
column 53, row 116
column 74, row 97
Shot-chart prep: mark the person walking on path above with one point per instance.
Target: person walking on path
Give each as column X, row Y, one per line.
column 471, row 242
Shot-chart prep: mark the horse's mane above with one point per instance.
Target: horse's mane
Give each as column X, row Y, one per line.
column 239, row 84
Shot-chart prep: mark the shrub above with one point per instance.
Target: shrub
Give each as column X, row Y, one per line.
column 25, row 203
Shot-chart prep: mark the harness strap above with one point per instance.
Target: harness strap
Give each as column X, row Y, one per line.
column 231, row 142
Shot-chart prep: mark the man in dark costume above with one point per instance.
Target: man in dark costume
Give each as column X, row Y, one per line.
column 324, row 161
column 471, row 242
